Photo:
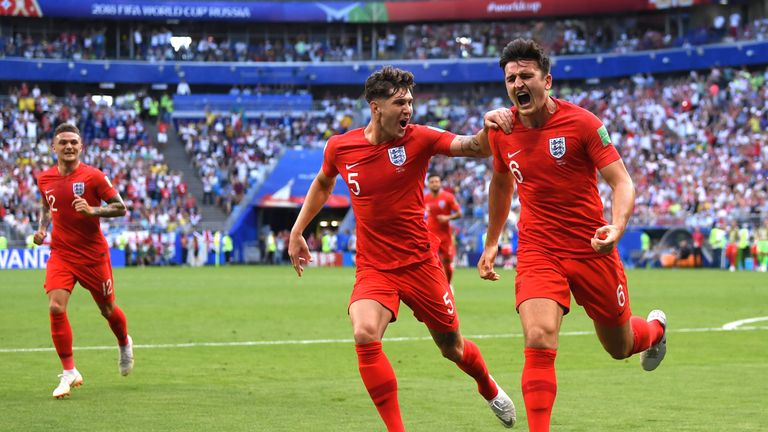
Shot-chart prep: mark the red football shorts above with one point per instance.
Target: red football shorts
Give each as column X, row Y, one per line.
column 598, row 284
column 446, row 251
column 421, row 286
column 95, row 277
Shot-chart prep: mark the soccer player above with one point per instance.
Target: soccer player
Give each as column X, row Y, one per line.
column 384, row 165
column 441, row 209
column 72, row 193
column 566, row 247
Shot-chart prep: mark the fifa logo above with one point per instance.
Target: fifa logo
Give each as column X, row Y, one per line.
column 78, row 188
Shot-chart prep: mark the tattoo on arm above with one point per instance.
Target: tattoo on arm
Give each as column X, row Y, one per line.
column 114, row 208
column 470, row 146
column 45, row 218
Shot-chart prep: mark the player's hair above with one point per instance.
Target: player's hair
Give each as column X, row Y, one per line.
column 385, row 82
column 525, row 49
column 66, row 127
column 433, row 174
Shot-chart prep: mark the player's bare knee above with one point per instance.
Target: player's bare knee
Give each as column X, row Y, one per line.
column 56, row 308
column 106, row 310
column 366, row 334
column 541, row 337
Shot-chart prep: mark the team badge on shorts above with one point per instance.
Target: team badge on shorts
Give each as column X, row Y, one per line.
column 78, row 188
column 557, row 147
column 397, row 155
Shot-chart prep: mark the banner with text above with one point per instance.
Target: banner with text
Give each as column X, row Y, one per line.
column 357, row 12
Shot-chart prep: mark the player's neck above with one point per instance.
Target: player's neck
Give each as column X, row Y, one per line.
column 376, row 135
column 67, row 168
column 540, row 117
column 435, row 193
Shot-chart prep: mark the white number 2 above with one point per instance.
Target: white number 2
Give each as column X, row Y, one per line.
column 354, row 186
column 51, row 201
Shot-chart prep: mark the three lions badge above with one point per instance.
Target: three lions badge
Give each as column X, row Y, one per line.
column 78, row 188
column 557, row 147
column 397, row 155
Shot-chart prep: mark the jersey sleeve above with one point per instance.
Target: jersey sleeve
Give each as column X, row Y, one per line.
column 453, row 204
column 598, row 143
column 498, row 163
column 329, row 155
column 104, row 188
column 440, row 139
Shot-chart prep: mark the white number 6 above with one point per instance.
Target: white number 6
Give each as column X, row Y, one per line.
column 620, row 295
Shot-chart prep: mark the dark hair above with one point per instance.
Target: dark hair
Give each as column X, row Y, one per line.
column 385, row 82
column 525, row 49
column 66, row 127
column 434, row 174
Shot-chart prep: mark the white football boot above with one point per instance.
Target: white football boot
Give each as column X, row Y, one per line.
column 125, row 363
column 68, row 379
column 503, row 407
column 652, row 357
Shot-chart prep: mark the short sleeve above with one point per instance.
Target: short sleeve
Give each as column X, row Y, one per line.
column 104, row 188
column 440, row 139
column 598, row 143
column 493, row 141
column 454, row 204
column 329, row 154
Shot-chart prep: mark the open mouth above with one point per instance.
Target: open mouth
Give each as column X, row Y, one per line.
column 403, row 123
column 523, row 98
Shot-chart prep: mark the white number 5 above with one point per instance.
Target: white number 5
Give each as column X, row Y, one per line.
column 448, row 302
column 354, row 186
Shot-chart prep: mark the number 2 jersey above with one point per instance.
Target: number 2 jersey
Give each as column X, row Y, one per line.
column 76, row 237
column 555, row 170
column 386, row 183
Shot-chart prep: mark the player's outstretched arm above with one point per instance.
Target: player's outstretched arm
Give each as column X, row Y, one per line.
column 499, row 202
column 45, row 221
column 318, row 194
column 477, row 145
column 623, row 203
column 115, row 207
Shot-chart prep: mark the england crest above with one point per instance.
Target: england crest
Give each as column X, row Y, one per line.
column 397, row 155
column 78, row 188
column 557, row 147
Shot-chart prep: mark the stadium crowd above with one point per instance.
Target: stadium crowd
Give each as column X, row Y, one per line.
column 116, row 142
column 397, row 41
column 696, row 147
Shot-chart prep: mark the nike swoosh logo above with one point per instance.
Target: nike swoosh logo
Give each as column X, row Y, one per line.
column 350, row 166
column 511, row 155
column 48, row 191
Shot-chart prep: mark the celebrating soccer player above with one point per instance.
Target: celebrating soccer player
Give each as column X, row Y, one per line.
column 72, row 193
column 566, row 246
column 441, row 209
column 384, row 165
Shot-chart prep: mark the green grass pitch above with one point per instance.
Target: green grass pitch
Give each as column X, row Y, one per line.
column 280, row 357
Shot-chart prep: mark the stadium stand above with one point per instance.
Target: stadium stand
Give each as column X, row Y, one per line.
column 695, row 139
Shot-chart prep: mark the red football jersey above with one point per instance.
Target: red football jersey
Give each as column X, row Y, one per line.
column 386, row 182
column 442, row 204
column 76, row 237
column 555, row 170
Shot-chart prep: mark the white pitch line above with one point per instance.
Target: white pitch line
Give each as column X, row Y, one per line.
column 333, row 341
column 736, row 324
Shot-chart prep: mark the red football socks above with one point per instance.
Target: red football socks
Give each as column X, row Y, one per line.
column 472, row 364
column 381, row 383
column 539, row 387
column 645, row 333
column 119, row 325
column 61, row 333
